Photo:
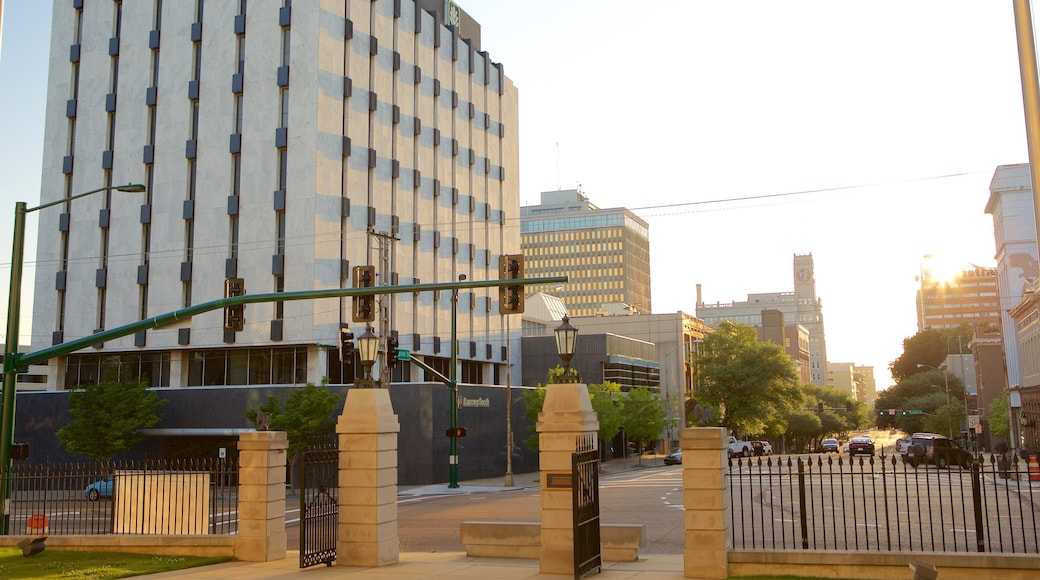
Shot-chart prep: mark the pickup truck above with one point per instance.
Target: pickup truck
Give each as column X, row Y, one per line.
column 740, row 448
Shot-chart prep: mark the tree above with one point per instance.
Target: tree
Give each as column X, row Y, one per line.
column 998, row 417
column 928, row 347
column 106, row 418
column 307, row 418
column 534, row 400
column 605, row 403
column 643, row 414
column 748, row 383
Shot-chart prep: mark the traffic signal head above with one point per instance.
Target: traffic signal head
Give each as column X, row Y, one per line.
column 392, row 345
column 364, row 306
column 511, row 298
column 819, row 406
column 455, row 432
column 235, row 314
column 346, row 344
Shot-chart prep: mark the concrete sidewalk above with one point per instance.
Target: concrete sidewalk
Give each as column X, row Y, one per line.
column 414, row 565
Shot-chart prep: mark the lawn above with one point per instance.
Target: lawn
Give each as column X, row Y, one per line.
column 68, row 565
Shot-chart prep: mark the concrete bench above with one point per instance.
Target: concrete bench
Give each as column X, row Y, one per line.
column 618, row 542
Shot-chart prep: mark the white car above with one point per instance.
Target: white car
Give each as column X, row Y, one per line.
column 767, row 447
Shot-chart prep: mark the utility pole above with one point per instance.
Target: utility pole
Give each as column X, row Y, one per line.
column 385, row 242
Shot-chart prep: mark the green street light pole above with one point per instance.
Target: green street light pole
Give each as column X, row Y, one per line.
column 453, row 380
column 11, row 355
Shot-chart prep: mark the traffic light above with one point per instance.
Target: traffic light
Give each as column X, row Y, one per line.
column 819, row 406
column 511, row 298
column 392, row 344
column 346, row 344
column 19, row 451
column 364, row 306
column 234, row 315
column 455, row 432
column 848, row 406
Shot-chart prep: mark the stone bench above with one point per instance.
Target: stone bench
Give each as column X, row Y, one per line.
column 618, row 542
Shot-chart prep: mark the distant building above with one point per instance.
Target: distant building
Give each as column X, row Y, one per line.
column 605, row 253
column 991, row 378
column 867, row 388
column 793, row 338
column 1014, row 229
column 841, row 376
column 799, row 307
column 971, row 297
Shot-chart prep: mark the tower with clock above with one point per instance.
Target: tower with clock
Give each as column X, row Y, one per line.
column 804, row 281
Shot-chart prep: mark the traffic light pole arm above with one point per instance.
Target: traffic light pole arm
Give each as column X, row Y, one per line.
column 21, row 362
column 437, row 375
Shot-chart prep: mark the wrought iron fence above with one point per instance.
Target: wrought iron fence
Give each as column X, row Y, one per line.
column 125, row 497
column 882, row 503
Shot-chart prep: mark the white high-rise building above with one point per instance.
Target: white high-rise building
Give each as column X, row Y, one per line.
column 282, row 143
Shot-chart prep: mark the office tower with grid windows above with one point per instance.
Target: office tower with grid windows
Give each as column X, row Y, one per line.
column 605, row 253
column 282, row 143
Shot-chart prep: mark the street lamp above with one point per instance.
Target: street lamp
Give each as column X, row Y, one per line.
column 946, row 376
column 566, row 336
column 11, row 355
column 368, row 349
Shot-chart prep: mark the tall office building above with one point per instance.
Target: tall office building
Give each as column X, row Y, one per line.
column 605, row 253
column 1014, row 230
column 798, row 307
column 970, row 297
column 282, row 143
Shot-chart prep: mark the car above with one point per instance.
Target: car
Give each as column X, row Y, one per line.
column 829, row 445
column 99, row 489
column 762, row 448
column 938, row 450
column 903, row 446
column 861, row 445
column 673, row 458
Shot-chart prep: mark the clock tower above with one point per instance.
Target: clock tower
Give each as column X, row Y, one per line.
column 804, row 280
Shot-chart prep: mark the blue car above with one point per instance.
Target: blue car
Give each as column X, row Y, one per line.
column 673, row 458
column 99, row 489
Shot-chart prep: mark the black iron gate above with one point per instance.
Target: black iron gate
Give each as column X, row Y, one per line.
column 585, row 493
column 319, row 504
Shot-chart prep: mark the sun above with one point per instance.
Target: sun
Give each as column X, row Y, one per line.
column 940, row 270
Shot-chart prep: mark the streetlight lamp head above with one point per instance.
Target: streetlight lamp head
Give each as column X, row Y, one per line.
column 368, row 347
column 566, row 335
column 132, row 188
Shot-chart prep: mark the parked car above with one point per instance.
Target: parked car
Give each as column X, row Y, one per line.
column 903, row 446
column 861, row 445
column 829, row 445
column 99, row 489
column 674, row 458
column 937, row 450
column 762, row 447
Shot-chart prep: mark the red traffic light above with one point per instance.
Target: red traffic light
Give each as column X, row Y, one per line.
column 456, row 432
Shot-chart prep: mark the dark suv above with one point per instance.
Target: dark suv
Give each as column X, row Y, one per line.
column 937, row 450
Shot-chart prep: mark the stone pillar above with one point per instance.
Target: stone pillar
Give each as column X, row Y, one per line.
column 707, row 516
column 261, row 496
column 566, row 416
column 367, row 432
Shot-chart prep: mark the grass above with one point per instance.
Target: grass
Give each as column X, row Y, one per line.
column 69, row 565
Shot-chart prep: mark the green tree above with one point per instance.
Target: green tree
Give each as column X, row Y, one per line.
column 106, row 418
column 748, row 383
column 998, row 417
column 534, row 400
column 307, row 417
column 644, row 415
column 928, row 347
column 604, row 399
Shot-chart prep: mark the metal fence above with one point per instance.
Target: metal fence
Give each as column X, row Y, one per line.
column 125, row 497
column 881, row 503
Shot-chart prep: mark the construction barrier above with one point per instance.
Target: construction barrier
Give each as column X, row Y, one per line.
column 37, row 525
column 1034, row 468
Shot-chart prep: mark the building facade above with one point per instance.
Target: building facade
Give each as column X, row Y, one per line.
column 799, row 307
column 282, row 143
column 605, row 253
column 1014, row 230
column 794, row 338
column 971, row 298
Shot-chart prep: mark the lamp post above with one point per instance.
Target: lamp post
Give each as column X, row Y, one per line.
column 566, row 336
column 11, row 355
column 949, row 418
column 368, row 349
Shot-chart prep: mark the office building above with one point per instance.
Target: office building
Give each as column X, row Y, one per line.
column 799, row 307
column 970, row 297
column 605, row 253
column 793, row 338
column 281, row 143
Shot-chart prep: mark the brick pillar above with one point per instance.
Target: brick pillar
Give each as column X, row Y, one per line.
column 261, row 496
column 566, row 416
column 367, row 431
column 707, row 516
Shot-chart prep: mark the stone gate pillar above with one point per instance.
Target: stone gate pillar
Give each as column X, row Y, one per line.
column 261, row 496
column 707, row 515
column 566, row 416
column 367, row 432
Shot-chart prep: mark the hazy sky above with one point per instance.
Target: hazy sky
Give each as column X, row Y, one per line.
column 886, row 118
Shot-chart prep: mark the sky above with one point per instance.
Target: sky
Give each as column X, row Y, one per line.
column 865, row 133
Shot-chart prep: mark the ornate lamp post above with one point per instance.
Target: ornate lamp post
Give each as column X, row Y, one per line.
column 368, row 349
column 566, row 336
